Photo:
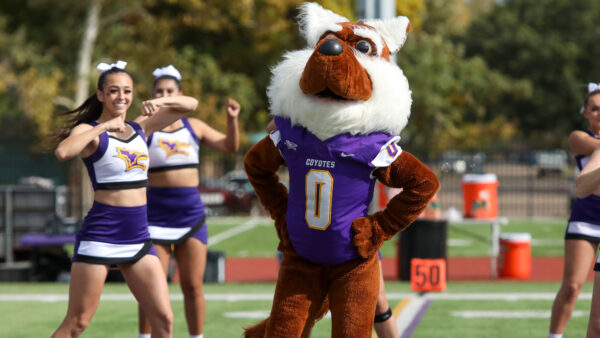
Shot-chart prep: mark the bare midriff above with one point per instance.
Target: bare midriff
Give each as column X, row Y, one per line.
column 121, row 197
column 186, row 177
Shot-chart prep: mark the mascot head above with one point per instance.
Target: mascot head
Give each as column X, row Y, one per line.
column 344, row 81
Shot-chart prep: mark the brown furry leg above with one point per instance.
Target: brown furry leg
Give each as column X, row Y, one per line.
column 259, row 329
column 314, row 317
column 353, row 296
column 298, row 300
column 299, row 296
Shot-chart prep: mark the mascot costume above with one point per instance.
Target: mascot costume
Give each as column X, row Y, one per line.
column 338, row 106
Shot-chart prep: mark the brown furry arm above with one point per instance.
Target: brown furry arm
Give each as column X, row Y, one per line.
column 262, row 162
column 418, row 184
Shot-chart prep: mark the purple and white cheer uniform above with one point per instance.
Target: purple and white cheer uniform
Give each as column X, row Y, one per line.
column 584, row 222
column 330, row 186
column 116, row 234
column 175, row 213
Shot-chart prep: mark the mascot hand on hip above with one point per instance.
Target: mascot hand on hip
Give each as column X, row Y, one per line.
column 339, row 106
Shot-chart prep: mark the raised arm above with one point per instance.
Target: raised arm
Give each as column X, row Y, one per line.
column 215, row 139
column 588, row 180
column 83, row 139
column 581, row 143
column 163, row 111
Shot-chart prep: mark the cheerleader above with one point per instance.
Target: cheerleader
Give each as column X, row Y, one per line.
column 583, row 229
column 176, row 215
column 115, row 230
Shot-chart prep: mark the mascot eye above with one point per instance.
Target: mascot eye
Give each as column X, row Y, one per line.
column 364, row 47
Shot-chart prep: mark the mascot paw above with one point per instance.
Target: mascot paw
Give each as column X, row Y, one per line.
column 368, row 238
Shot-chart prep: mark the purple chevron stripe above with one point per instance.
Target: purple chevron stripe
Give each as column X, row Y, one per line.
column 416, row 320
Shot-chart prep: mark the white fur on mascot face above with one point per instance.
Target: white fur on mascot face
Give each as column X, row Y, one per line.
column 388, row 107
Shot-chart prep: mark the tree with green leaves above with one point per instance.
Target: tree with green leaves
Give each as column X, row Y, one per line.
column 455, row 97
column 552, row 45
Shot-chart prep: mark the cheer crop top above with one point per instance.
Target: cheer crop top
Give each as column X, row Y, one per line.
column 174, row 149
column 119, row 164
column 582, row 160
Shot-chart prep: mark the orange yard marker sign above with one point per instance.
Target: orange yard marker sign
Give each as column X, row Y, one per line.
column 428, row 274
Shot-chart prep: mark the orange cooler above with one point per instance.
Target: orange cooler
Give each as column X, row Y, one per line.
column 480, row 195
column 515, row 255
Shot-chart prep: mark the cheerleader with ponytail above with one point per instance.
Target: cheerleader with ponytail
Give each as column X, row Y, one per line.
column 115, row 230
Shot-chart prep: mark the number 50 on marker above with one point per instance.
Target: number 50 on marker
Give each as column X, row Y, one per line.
column 428, row 274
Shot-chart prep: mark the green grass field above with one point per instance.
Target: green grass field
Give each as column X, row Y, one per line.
column 465, row 309
column 463, row 240
column 500, row 305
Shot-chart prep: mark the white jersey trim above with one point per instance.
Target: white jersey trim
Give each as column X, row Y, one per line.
column 388, row 153
column 583, row 228
column 108, row 250
column 157, row 232
column 275, row 137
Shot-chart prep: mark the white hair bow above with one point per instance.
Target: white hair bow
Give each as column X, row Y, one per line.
column 105, row 66
column 593, row 87
column 167, row 71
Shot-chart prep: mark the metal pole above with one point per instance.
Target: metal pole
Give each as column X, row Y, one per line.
column 8, row 226
column 377, row 9
column 495, row 247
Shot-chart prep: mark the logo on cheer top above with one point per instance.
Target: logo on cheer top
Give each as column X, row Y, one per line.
column 173, row 148
column 132, row 159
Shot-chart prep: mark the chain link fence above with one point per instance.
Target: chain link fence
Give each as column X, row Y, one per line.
column 538, row 184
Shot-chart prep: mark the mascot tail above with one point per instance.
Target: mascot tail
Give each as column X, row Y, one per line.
column 259, row 329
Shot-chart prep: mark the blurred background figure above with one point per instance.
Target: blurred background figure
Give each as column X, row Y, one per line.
column 581, row 237
column 176, row 217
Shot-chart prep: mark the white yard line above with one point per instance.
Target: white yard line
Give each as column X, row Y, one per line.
column 242, row 297
column 221, row 236
column 228, row 220
column 60, row 297
column 485, row 296
column 477, row 314
column 459, row 242
column 247, row 314
column 547, row 242
column 409, row 312
column 257, row 314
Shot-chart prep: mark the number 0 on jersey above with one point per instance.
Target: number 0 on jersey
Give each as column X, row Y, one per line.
column 319, row 190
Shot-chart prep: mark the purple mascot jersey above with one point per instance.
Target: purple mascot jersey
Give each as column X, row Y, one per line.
column 330, row 186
